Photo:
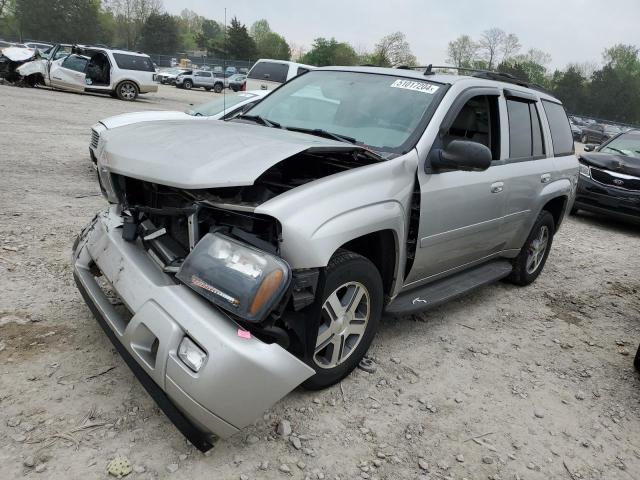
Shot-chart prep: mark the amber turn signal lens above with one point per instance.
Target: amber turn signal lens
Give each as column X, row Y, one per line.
column 270, row 285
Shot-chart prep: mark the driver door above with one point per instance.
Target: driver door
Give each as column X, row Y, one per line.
column 69, row 73
column 461, row 212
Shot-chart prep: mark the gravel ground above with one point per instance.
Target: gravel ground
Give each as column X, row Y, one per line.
column 507, row 383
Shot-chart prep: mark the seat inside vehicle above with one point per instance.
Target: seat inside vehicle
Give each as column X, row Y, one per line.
column 98, row 70
column 478, row 122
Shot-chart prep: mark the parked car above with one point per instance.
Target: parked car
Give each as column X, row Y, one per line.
column 221, row 108
column 260, row 253
column 120, row 73
column 236, row 82
column 168, row 77
column 609, row 181
column 598, row 133
column 269, row 74
column 200, row 79
column 576, row 131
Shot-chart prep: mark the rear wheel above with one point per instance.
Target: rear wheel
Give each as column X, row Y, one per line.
column 533, row 255
column 217, row 88
column 127, row 91
column 351, row 311
column 584, row 138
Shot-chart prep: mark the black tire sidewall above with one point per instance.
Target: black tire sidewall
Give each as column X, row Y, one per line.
column 217, row 88
column 520, row 276
column 187, row 84
column 119, row 88
column 349, row 267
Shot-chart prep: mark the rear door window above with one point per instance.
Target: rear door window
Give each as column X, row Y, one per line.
column 560, row 128
column 270, row 71
column 134, row 62
column 525, row 130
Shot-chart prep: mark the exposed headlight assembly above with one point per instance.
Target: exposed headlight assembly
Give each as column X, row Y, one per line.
column 585, row 170
column 235, row 276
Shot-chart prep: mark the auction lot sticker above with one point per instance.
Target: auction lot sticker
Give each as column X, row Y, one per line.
column 417, row 86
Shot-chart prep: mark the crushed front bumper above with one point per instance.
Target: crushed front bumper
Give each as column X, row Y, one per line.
column 241, row 377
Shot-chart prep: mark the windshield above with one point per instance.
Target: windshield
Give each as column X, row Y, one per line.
column 627, row 144
column 383, row 112
column 216, row 107
column 612, row 129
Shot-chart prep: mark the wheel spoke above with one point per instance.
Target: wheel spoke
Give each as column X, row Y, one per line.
column 324, row 336
column 354, row 299
column 336, row 353
column 333, row 307
column 356, row 327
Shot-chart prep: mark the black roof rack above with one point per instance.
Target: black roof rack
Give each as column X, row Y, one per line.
column 486, row 74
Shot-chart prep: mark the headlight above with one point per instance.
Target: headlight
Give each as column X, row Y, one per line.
column 585, row 170
column 237, row 277
column 191, row 354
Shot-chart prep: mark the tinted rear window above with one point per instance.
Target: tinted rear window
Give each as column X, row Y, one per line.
column 134, row 62
column 560, row 129
column 273, row 72
column 525, row 132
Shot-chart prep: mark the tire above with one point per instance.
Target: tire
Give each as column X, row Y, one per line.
column 217, row 88
column 187, row 84
column 127, row 91
column 348, row 275
column 525, row 268
column 574, row 211
column 584, row 139
column 636, row 362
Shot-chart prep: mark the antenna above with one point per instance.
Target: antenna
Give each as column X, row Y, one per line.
column 224, row 69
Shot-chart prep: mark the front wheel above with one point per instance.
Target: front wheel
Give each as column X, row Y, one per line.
column 533, row 255
column 584, row 139
column 187, row 84
column 351, row 310
column 127, row 91
column 217, row 88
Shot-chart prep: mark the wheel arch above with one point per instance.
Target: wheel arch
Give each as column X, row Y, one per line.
column 557, row 207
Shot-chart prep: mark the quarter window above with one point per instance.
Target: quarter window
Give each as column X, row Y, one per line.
column 273, row 72
column 134, row 62
column 560, row 128
column 525, row 132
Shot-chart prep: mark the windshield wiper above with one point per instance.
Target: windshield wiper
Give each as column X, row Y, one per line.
column 616, row 150
column 260, row 120
column 323, row 133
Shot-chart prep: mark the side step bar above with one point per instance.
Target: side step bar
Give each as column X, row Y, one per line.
column 441, row 291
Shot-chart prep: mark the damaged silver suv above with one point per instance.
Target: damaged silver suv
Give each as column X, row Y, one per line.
column 258, row 254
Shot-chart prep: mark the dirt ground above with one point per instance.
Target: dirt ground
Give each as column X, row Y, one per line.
column 507, row 383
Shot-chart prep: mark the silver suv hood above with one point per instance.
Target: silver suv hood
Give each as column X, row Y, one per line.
column 191, row 155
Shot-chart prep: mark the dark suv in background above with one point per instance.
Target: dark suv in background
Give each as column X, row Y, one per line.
column 609, row 181
column 598, row 133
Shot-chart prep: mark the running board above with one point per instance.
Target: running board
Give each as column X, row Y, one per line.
column 441, row 291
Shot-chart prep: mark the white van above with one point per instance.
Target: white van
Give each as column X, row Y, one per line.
column 267, row 74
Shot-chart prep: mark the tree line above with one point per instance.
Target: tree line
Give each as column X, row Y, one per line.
column 607, row 91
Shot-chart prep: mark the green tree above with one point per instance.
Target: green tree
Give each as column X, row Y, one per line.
column 160, row 34
column 259, row 30
column 239, row 44
column 268, row 43
column 570, row 87
column 462, row 51
column 61, row 20
column 211, row 37
column 330, row 52
column 8, row 23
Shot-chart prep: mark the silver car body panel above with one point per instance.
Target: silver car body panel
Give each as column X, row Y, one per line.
column 221, row 397
column 242, row 151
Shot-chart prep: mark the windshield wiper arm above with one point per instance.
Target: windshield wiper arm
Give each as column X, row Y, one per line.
column 260, row 120
column 616, row 150
column 323, row 133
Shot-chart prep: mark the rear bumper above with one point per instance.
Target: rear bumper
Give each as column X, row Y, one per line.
column 607, row 200
column 240, row 377
column 149, row 88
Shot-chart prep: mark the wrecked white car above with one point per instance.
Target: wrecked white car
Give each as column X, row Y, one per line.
column 120, row 73
column 13, row 57
column 257, row 254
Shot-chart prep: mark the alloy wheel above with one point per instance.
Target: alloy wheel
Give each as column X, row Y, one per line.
column 537, row 250
column 345, row 315
column 128, row 91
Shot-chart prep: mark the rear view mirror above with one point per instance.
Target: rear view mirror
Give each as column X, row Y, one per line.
column 461, row 155
column 589, row 147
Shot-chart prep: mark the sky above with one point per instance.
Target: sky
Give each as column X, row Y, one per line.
column 571, row 31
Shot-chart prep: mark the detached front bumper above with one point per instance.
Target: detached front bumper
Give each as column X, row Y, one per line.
column 241, row 377
column 607, row 200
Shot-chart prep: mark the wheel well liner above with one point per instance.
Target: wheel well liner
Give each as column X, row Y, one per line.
column 556, row 207
column 381, row 249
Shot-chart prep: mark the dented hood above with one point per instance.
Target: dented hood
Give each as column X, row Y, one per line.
column 150, row 116
column 615, row 163
column 188, row 154
column 18, row 54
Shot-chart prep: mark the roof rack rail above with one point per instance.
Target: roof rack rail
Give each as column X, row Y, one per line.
column 486, row 74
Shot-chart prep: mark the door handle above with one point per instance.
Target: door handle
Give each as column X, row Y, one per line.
column 497, row 187
column 545, row 178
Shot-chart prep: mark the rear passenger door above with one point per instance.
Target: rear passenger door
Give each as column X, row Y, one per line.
column 529, row 166
column 203, row 79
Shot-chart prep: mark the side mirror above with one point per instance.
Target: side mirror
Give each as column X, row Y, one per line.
column 461, row 155
column 590, row 147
